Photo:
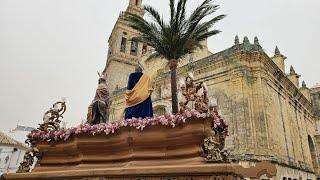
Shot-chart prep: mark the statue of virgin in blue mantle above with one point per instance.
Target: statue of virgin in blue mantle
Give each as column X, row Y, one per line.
column 138, row 95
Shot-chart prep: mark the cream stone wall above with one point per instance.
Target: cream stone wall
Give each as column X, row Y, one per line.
column 115, row 69
column 315, row 96
column 293, row 174
column 158, row 65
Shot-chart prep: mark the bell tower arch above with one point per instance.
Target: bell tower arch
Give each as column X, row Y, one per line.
column 123, row 54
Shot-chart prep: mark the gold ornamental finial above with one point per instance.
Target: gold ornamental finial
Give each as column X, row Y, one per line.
column 190, row 90
column 51, row 118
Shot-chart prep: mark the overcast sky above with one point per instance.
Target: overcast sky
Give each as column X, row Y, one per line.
column 52, row 48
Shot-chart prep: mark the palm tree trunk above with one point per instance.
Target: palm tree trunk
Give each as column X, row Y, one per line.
column 173, row 70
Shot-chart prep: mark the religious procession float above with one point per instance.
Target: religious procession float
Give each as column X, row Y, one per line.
column 188, row 145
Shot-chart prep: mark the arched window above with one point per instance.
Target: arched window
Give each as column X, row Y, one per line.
column 137, row 2
column 123, row 45
column 134, row 48
column 313, row 153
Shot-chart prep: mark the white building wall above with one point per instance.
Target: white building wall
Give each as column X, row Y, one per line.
column 10, row 158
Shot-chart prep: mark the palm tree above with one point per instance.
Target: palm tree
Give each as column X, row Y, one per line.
column 177, row 38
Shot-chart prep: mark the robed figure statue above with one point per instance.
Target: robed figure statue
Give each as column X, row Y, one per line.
column 138, row 95
column 98, row 109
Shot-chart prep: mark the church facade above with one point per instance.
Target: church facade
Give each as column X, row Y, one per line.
column 271, row 116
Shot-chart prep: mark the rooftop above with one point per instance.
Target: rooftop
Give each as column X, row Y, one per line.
column 6, row 140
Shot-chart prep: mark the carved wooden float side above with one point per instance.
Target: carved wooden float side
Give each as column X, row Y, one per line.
column 155, row 145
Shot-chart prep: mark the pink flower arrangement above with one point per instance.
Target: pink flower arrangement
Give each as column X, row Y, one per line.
column 219, row 125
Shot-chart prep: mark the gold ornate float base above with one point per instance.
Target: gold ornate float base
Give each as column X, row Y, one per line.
column 157, row 152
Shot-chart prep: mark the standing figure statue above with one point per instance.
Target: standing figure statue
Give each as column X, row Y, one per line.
column 138, row 96
column 98, row 109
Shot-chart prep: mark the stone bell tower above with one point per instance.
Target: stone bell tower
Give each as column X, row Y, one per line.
column 123, row 53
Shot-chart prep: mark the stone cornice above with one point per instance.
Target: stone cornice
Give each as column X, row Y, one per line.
column 231, row 52
column 285, row 83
